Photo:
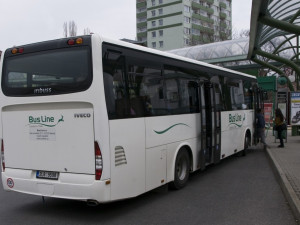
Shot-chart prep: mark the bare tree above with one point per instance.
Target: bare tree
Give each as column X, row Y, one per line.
column 65, row 29
column 86, row 31
column 69, row 29
column 72, row 28
column 237, row 34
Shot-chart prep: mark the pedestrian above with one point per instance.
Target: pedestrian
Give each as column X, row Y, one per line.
column 279, row 126
column 260, row 125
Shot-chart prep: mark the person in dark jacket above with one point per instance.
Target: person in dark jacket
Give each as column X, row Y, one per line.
column 260, row 125
column 279, row 119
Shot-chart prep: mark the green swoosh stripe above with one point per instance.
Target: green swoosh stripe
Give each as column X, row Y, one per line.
column 46, row 125
column 164, row 131
column 236, row 124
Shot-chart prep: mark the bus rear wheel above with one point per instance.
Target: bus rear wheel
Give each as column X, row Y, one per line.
column 246, row 145
column 182, row 169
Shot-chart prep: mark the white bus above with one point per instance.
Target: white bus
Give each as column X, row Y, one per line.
column 98, row 120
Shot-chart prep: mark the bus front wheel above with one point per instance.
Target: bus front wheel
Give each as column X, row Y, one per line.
column 182, row 169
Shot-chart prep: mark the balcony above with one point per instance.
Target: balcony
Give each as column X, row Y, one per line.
column 223, row 35
column 141, row 4
column 142, row 24
column 196, row 6
column 196, row 26
column 223, row 15
column 196, row 38
column 142, row 14
column 207, row 30
column 223, row 25
column 142, row 34
column 203, row 29
column 203, row 18
column 223, row 5
column 210, row 11
column 206, row 40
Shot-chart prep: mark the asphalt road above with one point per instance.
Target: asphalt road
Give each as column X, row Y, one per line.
column 238, row 191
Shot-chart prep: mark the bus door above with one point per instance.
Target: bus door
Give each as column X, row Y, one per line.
column 258, row 104
column 211, row 123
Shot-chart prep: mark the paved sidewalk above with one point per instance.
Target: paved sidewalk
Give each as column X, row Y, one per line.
column 286, row 164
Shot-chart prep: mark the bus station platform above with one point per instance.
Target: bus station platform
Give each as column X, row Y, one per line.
column 286, row 164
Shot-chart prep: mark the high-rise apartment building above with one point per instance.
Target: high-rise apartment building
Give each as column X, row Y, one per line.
column 171, row 24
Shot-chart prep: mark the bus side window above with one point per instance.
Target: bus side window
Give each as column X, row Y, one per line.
column 218, row 98
column 114, row 85
column 181, row 90
column 236, row 94
column 248, row 93
column 144, row 84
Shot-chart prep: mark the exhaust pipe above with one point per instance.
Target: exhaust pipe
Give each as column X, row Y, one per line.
column 92, row 203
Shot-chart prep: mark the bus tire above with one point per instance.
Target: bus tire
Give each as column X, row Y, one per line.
column 181, row 170
column 246, row 145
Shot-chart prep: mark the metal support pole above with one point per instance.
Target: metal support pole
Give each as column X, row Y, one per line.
column 297, row 60
column 279, row 24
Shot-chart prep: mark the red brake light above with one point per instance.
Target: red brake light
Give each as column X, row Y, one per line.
column 21, row 50
column 98, row 162
column 2, row 156
column 71, row 42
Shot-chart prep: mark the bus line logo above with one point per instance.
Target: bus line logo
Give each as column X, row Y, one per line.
column 47, row 121
column 236, row 119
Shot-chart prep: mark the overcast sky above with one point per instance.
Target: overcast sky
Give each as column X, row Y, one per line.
column 28, row 21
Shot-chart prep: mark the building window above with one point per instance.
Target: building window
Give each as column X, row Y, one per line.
column 187, row 19
column 153, row 44
column 187, row 30
column 161, row 44
column 153, row 2
column 160, row 1
column 153, row 34
column 153, row 23
column 153, row 12
column 187, row 8
column 186, row 41
column 160, row 11
column 161, row 33
column 161, row 22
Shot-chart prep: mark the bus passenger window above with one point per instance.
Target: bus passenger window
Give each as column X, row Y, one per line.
column 236, row 93
column 144, row 84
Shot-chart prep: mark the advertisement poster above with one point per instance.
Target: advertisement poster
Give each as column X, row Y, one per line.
column 268, row 109
column 282, row 107
column 295, row 108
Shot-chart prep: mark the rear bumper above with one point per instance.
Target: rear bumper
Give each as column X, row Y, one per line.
column 68, row 186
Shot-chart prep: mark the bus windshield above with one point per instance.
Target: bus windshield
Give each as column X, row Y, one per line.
column 49, row 72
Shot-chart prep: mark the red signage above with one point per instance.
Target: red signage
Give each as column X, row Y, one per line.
column 268, row 109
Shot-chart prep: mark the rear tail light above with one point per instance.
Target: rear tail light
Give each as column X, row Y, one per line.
column 98, row 162
column 17, row 50
column 77, row 41
column 2, row 156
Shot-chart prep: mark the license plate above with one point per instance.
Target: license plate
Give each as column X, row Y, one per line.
column 47, row 175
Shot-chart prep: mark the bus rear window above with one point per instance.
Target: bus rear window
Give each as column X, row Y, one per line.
column 49, row 72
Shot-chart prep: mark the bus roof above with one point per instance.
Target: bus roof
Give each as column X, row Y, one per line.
column 144, row 49
column 171, row 55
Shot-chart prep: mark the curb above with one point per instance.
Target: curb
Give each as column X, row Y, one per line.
column 285, row 185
